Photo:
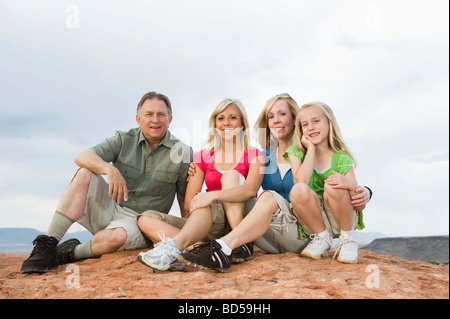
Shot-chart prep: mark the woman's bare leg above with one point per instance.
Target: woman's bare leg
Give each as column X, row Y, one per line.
column 255, row 224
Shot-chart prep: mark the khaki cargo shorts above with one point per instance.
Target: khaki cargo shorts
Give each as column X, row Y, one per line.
column 102, row 213
column 283, row 234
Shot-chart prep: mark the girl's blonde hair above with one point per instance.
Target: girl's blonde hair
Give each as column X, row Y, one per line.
column 214, row 140
column 335, row 141
column 265, row 137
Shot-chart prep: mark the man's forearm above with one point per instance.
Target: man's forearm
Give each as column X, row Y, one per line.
column 90, row 160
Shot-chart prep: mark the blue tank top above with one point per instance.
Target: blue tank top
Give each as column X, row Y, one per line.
column 272, row 177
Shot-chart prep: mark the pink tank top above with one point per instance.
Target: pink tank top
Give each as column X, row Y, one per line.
column 205, row 161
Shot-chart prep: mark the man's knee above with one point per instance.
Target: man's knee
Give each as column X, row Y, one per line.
column 82, row 176
column 108, row 240
column 117, row 236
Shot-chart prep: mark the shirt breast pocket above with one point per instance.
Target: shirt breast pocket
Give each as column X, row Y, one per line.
column 129, row 173
column 164, row 182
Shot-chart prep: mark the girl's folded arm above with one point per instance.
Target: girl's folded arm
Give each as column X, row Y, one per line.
column 302, row 172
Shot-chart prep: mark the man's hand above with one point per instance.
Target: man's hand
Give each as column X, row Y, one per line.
column 117, row 185
column 191, row 171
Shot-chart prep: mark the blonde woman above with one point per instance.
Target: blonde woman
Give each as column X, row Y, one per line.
column 232, row 172
column 325, row 181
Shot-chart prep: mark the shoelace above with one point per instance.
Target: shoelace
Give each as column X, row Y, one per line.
column 164, row 245
column 161, row 236
column 41, row 243
column 316, row 240
column 341, row 244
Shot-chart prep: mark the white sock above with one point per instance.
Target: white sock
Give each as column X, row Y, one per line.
column 347, row 232
column 323, row 234
column 227, row 250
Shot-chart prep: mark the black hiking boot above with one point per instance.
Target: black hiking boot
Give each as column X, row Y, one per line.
column 207, row 256
column 65, row 251
column 243, row 253
column 43, row 256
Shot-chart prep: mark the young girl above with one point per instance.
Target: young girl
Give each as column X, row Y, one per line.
column 232, row 172
column 325, row 181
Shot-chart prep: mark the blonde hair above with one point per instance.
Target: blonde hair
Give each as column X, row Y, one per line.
column 335, row 141
column 214, row 142
column 262, row 123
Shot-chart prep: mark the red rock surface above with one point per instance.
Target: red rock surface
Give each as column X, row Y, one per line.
column 119, row 275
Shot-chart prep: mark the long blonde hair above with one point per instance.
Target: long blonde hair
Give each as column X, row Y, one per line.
column 262, row 123
column 335, row 141
column 214, row 142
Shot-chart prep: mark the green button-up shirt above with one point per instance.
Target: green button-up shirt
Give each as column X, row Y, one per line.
column 153, row 176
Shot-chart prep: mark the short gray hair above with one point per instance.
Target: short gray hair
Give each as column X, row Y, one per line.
column 154, row 95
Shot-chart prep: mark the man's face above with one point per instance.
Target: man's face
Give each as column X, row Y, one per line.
column 154, row 119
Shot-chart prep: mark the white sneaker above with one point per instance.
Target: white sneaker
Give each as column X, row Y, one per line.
column 163, row 256
column 318, row 246
column 348, row 249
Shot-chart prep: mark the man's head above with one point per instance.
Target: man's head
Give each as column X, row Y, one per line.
column 154, row 95
column 154, row 114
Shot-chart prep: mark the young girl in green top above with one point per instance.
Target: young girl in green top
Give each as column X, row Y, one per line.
column 324, row 180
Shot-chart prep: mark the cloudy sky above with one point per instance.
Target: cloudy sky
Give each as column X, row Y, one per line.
column 72, row 73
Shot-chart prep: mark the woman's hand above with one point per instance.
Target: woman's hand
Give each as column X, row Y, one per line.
column 362, row 197
column 201, row 200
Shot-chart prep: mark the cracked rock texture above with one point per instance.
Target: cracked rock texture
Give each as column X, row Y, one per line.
column 286, row 276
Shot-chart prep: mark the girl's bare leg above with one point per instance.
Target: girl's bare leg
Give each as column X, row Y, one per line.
column 339, row 201
column 306, row 205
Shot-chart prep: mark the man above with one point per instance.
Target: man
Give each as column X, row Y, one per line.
column 145, row 168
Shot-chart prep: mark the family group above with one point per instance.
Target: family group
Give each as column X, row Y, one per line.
column 294, row 194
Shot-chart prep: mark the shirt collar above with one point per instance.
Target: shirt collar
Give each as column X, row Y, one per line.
column 168, row 140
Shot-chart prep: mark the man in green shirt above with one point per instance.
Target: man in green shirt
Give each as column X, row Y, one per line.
column 145, row 168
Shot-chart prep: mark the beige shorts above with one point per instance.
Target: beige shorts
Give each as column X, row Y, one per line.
column 102, row 213
column 220, row 226
column 282, row 235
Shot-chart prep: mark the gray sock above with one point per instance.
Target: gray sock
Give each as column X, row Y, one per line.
column 59, row 225
column 83, row 250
